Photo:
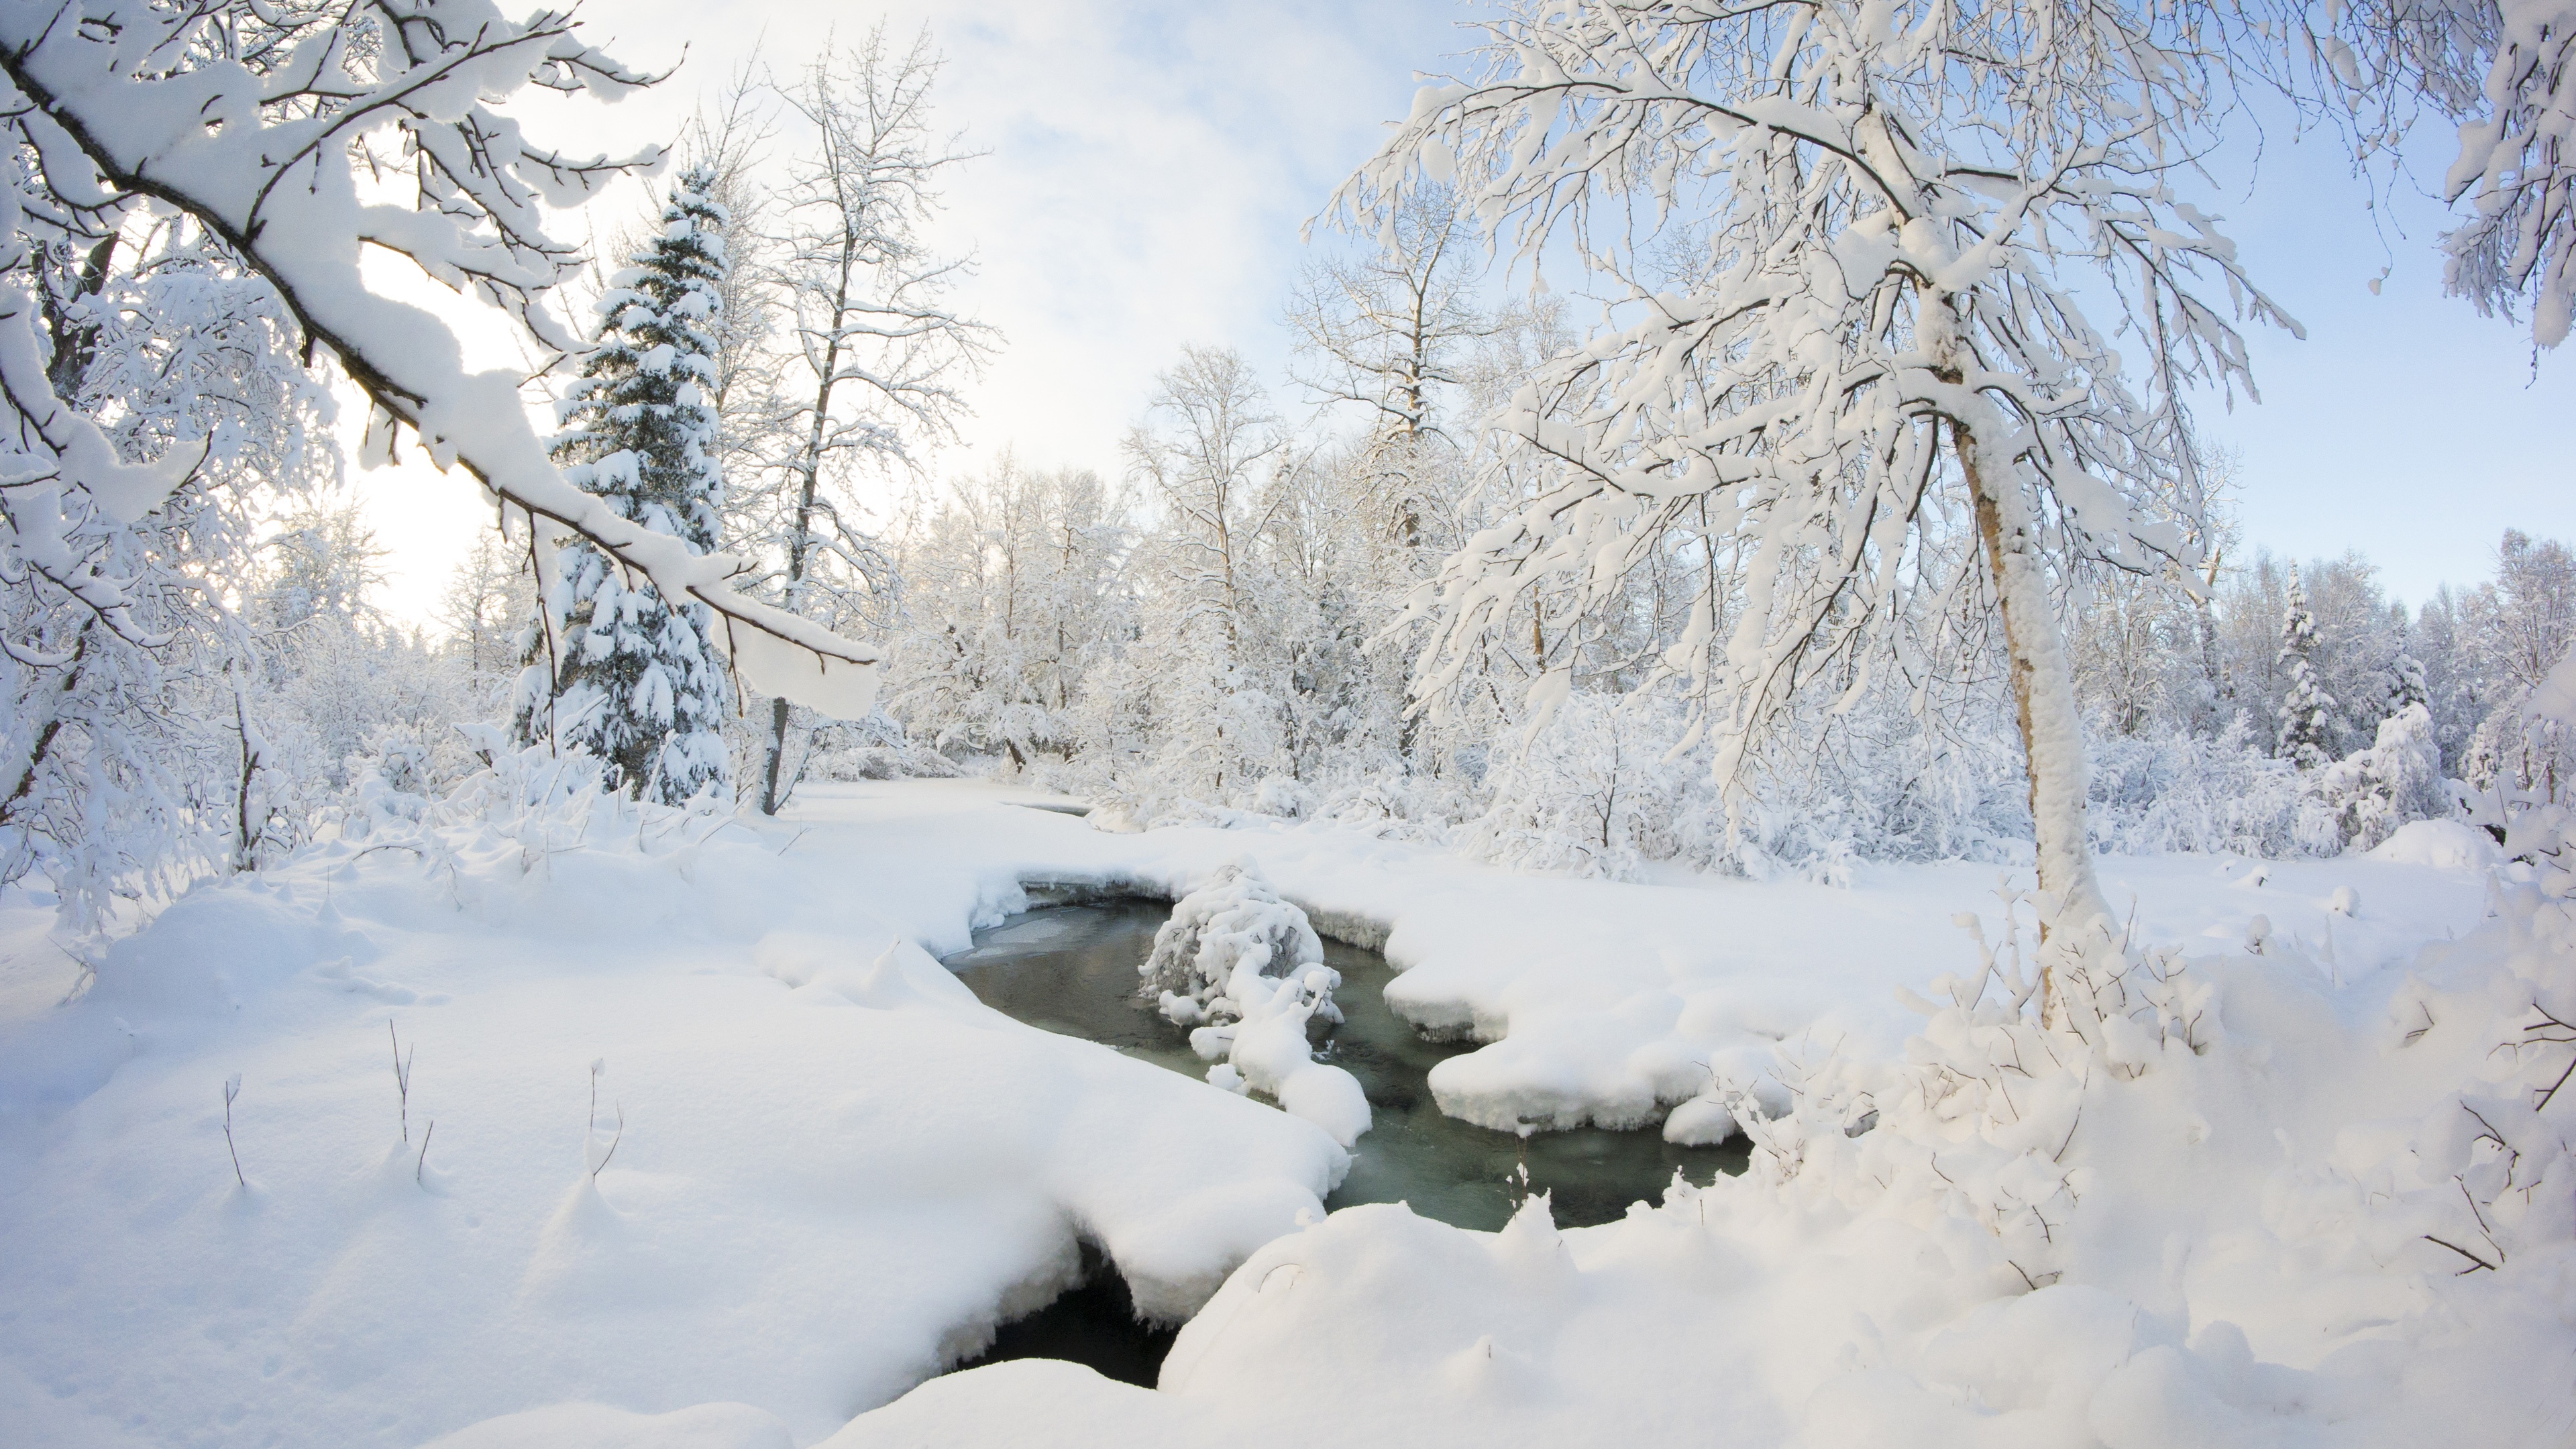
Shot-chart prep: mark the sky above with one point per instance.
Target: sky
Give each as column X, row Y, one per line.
column 1146, row 171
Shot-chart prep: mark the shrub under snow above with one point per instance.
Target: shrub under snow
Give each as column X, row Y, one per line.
column 1246, row 971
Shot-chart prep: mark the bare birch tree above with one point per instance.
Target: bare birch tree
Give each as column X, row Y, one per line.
column 873, row 355
column 1850, row 250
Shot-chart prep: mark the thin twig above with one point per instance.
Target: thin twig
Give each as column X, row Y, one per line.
column 422, row 1165
column 402, row 1077
column 612, row 1143
column 2465, row 1253
column 232, row 1089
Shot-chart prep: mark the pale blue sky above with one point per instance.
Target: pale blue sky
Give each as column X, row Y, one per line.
column 1150, row 166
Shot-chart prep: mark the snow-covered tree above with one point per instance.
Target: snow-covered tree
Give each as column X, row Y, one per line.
column 1391, row 333
column 2504, row 73
column 1591, row 792
column 1209, row 458
column 1012, row 591
column 2406, row 685
column 158, row 413
column 329, row 695
column 1844, row 242
column 616, row 670
column 876, row 355
column 2526, row 618
column 487, row 609
column 299, row 137
column 2308, row 716
column 2398, row 779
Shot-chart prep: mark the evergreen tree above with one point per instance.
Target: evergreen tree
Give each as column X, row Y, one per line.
column 613, row 667
column 2406, row 685
column 2307, row 711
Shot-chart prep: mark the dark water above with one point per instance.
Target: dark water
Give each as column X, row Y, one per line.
column 1094, row 1325
column 1072, row 969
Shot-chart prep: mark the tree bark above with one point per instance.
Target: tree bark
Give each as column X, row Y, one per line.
column 42, row 745
column 2043, row 686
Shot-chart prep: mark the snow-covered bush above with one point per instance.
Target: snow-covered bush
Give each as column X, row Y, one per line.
column 2176, row 791
column 2172, row 790
column 1980, row 1116
column 1233, row 922
column 875, row 748
column 1611, row 784
column 1282, row 796
column 1245, row 970
column 1591, row 793
column 2372, row 792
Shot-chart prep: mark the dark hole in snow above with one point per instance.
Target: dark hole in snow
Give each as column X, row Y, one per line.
column 1072, row 969
column 1094, row 1325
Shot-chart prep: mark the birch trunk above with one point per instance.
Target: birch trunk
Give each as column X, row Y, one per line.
column 2043, row 686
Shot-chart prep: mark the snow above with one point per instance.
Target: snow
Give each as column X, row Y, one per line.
column 2441, row 844
column 2243, row 1252
column 836, row 1171
column 1246, row 963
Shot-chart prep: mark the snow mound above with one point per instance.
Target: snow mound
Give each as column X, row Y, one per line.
column 2444, row 844
column 2208, row 1200
column 598, row 1426
column 1232, row 928
column 1245, row 969
column 682, row 1117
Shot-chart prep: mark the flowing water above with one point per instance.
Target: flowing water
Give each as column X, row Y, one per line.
column 1072, row 969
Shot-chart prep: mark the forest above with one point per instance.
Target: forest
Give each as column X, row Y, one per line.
column 1748, row 839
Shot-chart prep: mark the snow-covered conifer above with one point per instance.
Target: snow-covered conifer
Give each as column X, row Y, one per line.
column 2307, row 712
column 621, row 672
column 2406, row 684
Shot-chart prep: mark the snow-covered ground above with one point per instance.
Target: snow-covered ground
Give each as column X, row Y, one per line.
column 837, row 1171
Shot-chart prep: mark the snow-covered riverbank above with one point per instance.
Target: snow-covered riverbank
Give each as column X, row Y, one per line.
column 837, row 1170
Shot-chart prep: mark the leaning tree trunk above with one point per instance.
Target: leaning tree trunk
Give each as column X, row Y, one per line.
column 2043, row 685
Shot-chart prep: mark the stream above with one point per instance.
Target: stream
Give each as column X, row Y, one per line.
column 1072, row 969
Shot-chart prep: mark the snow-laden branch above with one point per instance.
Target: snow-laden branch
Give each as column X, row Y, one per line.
column 2504, row 73
column 1852, row 250
column 254, row 118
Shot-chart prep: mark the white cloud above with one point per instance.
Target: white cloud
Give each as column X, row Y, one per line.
column 1146, row 173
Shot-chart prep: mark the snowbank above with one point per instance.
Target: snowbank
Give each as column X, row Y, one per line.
column 836, row 1172
column 2441, row 844
column 833, row 1172
column 2262, row 1209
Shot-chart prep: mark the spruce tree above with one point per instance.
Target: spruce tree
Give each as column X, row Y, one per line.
column 2307, row 711
column 614, row 668
column 2406, row 684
